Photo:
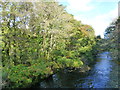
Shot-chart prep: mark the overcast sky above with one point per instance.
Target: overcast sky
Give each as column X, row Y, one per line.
column 97, row 13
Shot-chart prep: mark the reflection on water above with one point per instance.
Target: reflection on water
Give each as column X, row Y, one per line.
column 101, row 76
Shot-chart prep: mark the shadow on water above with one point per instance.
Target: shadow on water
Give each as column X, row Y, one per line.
column 103, row 75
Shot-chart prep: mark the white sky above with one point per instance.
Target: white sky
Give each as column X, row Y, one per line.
column 97, row 13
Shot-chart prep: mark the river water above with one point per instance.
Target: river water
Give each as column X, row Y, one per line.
column 104, row 74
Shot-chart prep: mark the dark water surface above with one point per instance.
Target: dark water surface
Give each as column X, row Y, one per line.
column 104, row 74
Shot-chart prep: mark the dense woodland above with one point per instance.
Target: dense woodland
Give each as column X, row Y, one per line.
column 39, row 39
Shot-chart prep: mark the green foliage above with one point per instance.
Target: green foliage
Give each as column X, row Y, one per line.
column 36, row 42
column 66, row 62
column 19, row 76
column 112, row 39
column 22, row 76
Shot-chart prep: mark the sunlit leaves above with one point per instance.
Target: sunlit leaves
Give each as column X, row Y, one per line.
column 39, row 38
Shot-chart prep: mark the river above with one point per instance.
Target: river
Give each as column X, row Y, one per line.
column 104, row 74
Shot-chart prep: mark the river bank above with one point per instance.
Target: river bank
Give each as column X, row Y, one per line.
column 104, row 74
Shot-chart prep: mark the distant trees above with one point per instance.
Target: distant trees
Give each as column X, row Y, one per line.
column 112, row 36
column 39, row 38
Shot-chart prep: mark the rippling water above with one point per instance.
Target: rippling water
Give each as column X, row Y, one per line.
column 104, row 74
